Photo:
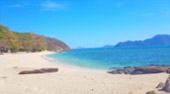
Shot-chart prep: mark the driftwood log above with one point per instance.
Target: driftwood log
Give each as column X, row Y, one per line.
column 37, row 71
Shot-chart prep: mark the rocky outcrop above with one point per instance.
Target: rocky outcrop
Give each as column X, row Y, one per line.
column 151, row 92
column 142, row 70
column 168, row 70
column 37, row 71
column 166, row 88
column 162, row 88
column 160, row 85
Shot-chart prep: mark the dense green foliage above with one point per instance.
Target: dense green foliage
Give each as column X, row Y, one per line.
column 28, row 41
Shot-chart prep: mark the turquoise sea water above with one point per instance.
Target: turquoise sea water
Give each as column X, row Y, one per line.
column 108, row 58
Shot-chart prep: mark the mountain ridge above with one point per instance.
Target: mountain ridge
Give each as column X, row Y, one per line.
column 157, row 40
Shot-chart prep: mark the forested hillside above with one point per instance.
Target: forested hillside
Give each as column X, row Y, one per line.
column 15, row 41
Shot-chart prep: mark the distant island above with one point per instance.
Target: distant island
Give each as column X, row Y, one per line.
column 157, row 40
column 15, row 41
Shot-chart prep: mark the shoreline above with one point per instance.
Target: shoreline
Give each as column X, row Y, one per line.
column 58, row 62
column 68, row 80
column 66, row 64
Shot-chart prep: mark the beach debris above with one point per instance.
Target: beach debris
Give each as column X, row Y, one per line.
column 151, row 92
column 37, row 71
column 142, row 70
column 160, row 85
column 166, row 88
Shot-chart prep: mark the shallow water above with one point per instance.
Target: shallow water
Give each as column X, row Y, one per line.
column 107, row 58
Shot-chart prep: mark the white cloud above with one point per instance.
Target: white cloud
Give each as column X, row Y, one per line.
column 52, row 6
column 16, row 6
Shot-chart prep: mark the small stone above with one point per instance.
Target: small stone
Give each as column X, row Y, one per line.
column 130, row 93
column 3, row 77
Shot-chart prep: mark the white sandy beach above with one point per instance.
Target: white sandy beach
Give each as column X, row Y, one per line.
column 68, row 80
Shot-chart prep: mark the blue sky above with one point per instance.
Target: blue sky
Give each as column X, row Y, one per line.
column 88, row 23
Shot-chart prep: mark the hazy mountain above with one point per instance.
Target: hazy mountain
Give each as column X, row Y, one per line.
column 156, row 40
